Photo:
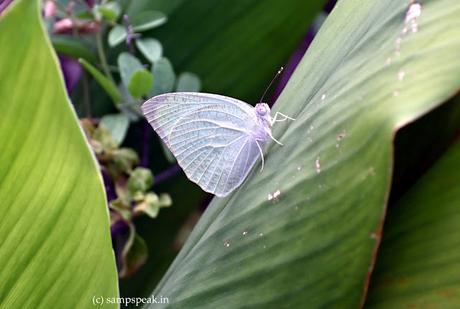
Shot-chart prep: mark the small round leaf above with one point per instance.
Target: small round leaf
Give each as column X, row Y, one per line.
column 148, row 20
column 117, row 35
column 140, row 83
column 150, row 48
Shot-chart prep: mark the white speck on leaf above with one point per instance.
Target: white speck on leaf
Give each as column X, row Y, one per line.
column 318, row 165
column 274, row 196
column 414, row 12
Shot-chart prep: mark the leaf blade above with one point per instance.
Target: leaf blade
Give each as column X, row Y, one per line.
column 332, row 176
column 150, row 48
column 103, row 81
column 418, row 261
column 55, row 227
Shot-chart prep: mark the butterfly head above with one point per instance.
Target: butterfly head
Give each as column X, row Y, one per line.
column 263, row 112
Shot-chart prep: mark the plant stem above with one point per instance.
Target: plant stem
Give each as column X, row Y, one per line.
column 166, row 174
column 102, row 58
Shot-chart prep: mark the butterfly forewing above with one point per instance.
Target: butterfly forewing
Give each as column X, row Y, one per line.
column 210, row 136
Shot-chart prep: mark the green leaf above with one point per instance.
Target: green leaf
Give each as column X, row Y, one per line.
column 150, row 48
column 141, row 180
column 235, row 47
column 165, row 200
column 117, row 125
column 303, row 232
column 128, row 65
column 125, row 158
column 110, row 11
column 147, row 20
column 188, row 82
column 151, row 204
column 55, row 247
column 72, row 47
column 419, row 260
column 134, row 76
column 103, row 81
column 164, row 76
column 117, row 35
column 140, row 83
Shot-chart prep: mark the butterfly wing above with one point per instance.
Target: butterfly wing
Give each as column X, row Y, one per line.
column 210, row 135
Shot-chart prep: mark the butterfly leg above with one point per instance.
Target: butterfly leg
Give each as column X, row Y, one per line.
column 276, row 141
column 262, row 155
column 275, row 119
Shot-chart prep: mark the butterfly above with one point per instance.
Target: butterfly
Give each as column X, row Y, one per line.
column 215, row 139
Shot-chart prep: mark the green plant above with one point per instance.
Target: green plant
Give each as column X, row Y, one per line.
column 55, row 243
column 303, row 233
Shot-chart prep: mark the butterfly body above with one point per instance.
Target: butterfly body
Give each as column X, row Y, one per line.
column 215, row 139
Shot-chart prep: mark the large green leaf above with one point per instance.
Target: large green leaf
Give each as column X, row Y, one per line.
column 419, row 262
column 55, row 248
column 235, row 47
column 304, row 231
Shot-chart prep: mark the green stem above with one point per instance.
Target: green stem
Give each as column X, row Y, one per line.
column 102, row 58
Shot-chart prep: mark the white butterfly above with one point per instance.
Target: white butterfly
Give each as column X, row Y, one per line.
column 215, row 139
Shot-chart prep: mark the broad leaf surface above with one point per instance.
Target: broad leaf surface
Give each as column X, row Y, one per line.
column 419, row 260
column 304, row 231
column 55, row 248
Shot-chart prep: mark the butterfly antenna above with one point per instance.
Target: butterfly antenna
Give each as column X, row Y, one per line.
column 271, row 83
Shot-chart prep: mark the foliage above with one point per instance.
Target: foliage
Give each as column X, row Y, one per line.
column 55, row 249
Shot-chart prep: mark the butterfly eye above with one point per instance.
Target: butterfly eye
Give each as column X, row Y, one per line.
column 261, row 109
